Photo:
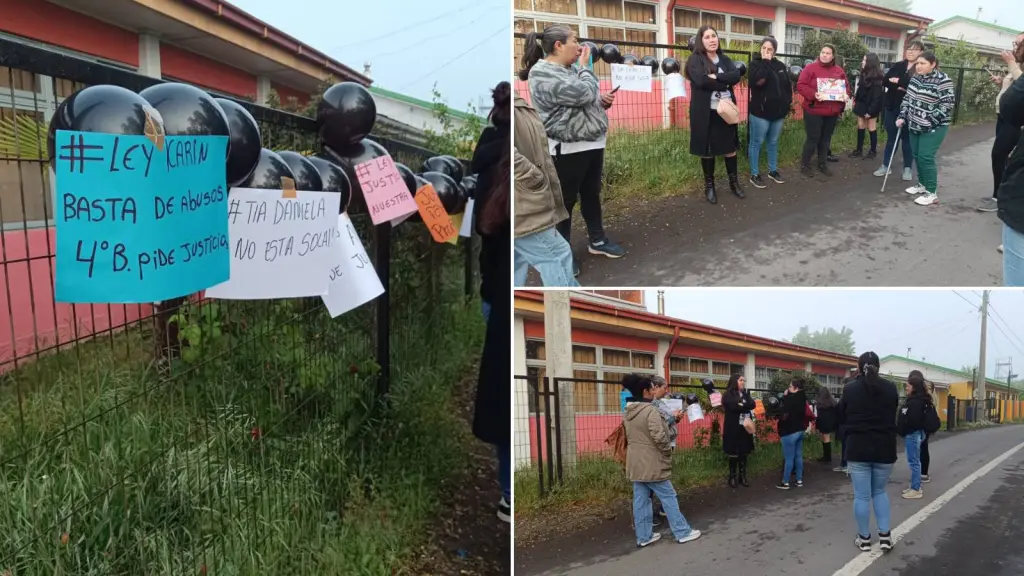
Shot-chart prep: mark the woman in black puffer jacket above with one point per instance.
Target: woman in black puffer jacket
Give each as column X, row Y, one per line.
column 867, row 103
column 771, row 96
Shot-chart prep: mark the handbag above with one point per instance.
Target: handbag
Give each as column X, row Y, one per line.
column 729, row 112
column 748, row 425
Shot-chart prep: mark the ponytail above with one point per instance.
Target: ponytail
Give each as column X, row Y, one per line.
column 541, row 44
column 868, row 364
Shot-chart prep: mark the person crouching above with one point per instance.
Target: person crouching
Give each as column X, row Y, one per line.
column 649, row 464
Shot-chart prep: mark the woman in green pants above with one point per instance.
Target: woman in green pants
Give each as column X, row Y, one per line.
column 927, row 111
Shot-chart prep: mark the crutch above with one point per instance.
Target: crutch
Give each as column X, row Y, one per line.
column 888, row 165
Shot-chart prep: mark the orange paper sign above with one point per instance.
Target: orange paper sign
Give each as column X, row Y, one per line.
column 434, row 215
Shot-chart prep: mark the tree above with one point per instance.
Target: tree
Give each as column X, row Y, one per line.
column 969, row 370
column 780, row 381
column 850, row 49
column 838, row 341
column 456, row 140
column 898, row 5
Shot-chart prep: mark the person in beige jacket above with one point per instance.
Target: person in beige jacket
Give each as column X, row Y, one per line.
column 649, row 464
column 538, row 205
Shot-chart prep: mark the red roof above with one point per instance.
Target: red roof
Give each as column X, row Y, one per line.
column 538, row 296
column 879, row 9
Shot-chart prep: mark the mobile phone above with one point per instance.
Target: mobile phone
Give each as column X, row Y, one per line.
column 614, row 90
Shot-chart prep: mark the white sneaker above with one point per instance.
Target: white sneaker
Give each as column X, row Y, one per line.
column 504, row 511
column 916, row 189
column 907, row 175
column 882, row 170
column 654, row 538
column 863, row 543
column 927, row 199
column 913, row 494
column 694, row 534
column 1000, row 248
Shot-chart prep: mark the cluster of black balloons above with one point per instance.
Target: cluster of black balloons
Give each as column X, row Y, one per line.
column 345, row 117
column 610, row 53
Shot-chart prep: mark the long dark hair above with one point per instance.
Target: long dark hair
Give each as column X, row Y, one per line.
column 540, row 44
column 871, row 73
column 636, row 384
column 700, row 50
column 825, row 399
column 501, row 95
column 868, row 365
column 733, row 387
column 495, row 213
column 917, row 387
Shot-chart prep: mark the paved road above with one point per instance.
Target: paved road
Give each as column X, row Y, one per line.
column 836, row 232
column 977, row 529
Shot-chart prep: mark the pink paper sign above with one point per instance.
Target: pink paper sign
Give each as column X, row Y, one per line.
column 387, row 197
column 716, row 399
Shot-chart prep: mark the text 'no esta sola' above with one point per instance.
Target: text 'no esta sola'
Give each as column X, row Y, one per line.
column 138, row 224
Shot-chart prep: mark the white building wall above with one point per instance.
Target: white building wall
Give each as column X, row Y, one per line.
column 411, row 114
column 969, row 32
column 902, row 369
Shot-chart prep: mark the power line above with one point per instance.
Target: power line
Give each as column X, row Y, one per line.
column 445, row 35
column 1012, row 343
column 456, row 58
column 1005, row 323
column 966, row 300
column 391, row 33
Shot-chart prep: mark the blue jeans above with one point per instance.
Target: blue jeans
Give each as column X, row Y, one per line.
column 1013, row 257
column 793, row 450
column 759, row 130
column 913, row 444
column 643, row 518
column 549, row 253
column 869, row 480
column 505, row 470
column 890, row 139
column 485, row 309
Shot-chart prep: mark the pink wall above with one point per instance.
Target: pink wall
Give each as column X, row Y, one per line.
column 30, row 320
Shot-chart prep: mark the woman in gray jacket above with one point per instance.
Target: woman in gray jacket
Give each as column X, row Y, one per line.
column 566, row 94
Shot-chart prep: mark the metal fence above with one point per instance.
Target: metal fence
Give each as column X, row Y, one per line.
column 648, row 140
column 195, row 436
column 960, row 413
column 562, row 425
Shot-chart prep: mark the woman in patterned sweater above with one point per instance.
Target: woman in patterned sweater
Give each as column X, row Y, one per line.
column 927, row 111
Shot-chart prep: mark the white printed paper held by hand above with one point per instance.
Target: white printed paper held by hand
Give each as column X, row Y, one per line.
column 466, row 230
column 352, row 280
column 674, row 405
column 675, row 86
column 694, row 413
column 280, row 247
column 635, row 78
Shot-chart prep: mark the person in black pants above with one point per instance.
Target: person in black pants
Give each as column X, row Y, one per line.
column 821, row 110
column 897, row 78
column 1007, row 134
column 737, row 443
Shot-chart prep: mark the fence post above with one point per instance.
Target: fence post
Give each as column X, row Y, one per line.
column 540, row 436
column 468, row 271
column 382, row 262
column 959, row 93
column 950, row 412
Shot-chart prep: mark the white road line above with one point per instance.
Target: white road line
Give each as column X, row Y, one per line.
column 863, row 560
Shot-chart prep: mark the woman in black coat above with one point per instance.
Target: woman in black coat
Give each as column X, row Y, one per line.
column 867, row 104
column 487, row 156
column 712, row 76
column 493, row 412
column 826, row 422
column 737, row 443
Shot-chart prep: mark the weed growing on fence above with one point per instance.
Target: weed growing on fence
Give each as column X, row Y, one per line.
column 262, row 449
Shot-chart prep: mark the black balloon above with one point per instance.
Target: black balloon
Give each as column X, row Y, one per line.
column 691, row 44
column 610, row 54
column 458, row 168
column 188, row 111
column 307, row 176
column 595, row 51
column 448, row 191
column 244, row 136
column 268, row 172
column 630, row 59
column 345, row 115
column 742, row 67
column 333, row 179
column 652, row 62
column 350, row 157
column 670, row 65
column 420, row 182
column 101, row 108
column 469, row 185
column 691, row 398
column 708, row 385
column 408, row 177
column 445, row 165
column 794, row 72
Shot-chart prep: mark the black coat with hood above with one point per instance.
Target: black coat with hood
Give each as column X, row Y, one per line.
column 736, row 441
column 771, row 91
column 486, row 158
column 1011, row 191
column 912, row 414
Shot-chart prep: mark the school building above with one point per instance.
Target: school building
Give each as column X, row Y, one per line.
column 948, row 381
column 613, row 334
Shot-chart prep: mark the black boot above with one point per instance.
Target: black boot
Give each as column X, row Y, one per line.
column 743, row 472
column 732, row 472
column 734, row 179
column 708, row 165
column 824, row 169
column 826, row 453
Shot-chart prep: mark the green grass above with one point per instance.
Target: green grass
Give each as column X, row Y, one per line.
column 267, row 453
column 599, row 479
column 658, row 163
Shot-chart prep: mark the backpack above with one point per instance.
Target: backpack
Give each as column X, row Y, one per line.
column 932, row 423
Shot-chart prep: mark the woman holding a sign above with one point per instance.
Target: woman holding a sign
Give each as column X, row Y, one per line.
column 566, row 93
column 738, row 428
column 927, row 111
column 713, row 111
column 823, row 87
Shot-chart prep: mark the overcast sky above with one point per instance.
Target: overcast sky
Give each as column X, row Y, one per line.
column 462, row 45
column 1005, row 12
column 939, row 326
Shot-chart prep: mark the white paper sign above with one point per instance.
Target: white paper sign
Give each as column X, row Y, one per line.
column 675, row 87
column 352, row 279
column 694, row 413
column 280, row 247
column 673, row 404
column 466, row 230
column 635, row 78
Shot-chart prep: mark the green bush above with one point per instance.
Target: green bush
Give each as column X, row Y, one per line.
column 850, row 49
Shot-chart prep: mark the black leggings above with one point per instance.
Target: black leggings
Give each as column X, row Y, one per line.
column 926, row 459
column 819, row 131
column 580, row 176
column 1007, row 136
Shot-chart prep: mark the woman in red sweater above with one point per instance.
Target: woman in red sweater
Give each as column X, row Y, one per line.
column 822, row 108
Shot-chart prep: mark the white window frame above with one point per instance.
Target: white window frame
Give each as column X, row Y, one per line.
column 690, row 374
column 889, row 55
column 724, row 35
column 804, row 29
column 582, row 21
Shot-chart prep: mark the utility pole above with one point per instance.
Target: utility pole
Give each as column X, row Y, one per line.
column 558, row 346
column 981, row 357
